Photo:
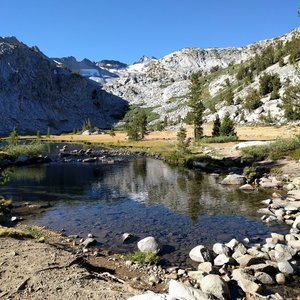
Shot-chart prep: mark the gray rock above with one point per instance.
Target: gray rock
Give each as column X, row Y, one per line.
column 285, row 267
column 223, row 259
column 265, row 211
column 269, row 185
column 280, row 278
column 234, row 179
column 219, row 248
column 126, row 236
column 295, row 244
column 264, row 278
column 148, row 244
column 282, row 256
column 205, row 267
column 296, row 223
column 294, row 194
column 232, row 244
column 248, row 260
column 89, row 242
column 249, row 286
column 290, row 186
column 279, row 237
column 154, row 279
column 216, row 286
column 89, row 159
column 245, row 281
column 240, row 248
column 196, row 275
column 200, row 254
column 178, row 290
column 150, row 296
column 247, row 187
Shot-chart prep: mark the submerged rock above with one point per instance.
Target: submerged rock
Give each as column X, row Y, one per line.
column 234, row 179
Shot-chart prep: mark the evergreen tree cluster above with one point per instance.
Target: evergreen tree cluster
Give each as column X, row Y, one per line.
column 224, row 128
column 136, row 126
column 269, row 56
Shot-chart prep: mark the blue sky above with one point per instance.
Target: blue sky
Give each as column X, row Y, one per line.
column 126, row 30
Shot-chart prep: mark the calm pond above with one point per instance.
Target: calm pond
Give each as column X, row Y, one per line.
column 181, row 208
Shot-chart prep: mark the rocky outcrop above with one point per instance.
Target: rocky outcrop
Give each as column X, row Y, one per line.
column 36, row 93
column 163, row 84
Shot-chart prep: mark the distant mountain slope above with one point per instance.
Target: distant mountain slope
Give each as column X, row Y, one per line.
column 163, row 84
column 36, row 93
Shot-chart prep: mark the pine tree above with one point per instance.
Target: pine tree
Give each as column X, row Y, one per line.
column 165, row 121
column 48, row 132
column 112, row 132
column 216, row 127
column 182, row 140
column 195, row 96
column 291, row 103
column 89, row 124
column 13, row 137
column 227, row 127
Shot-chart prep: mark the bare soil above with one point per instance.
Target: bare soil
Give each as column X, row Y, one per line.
column 57, row 269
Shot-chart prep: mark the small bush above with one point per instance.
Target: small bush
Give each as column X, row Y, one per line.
column 142, row 257
column 274, row 150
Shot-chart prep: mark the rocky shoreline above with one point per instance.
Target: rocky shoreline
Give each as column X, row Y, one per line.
column 233, row 270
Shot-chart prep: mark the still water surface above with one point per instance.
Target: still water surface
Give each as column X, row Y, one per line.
column 181, row 208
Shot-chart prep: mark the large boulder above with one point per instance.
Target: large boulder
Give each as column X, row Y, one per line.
column 148, row 244
column 200, row 254
column 178, row 290
column 234, row 179
column 216, row 286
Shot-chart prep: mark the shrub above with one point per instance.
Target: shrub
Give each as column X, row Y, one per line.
column 142, row 257
column 13, row 137
column 252, row 100
column 227, row 127
column 274, row 150
column 268, row 83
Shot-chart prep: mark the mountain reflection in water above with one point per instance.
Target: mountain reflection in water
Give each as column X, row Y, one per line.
column 180, row 207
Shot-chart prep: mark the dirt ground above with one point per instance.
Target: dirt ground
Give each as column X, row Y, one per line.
column 32, row 270
column 245, row 133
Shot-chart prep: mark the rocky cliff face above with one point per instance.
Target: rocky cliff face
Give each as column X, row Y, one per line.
column 163, row 84
column 36, row 92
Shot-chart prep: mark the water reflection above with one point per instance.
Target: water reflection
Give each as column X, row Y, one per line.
column 145, row 196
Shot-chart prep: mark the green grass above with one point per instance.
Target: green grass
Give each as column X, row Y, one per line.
column 24, row 149
column 142, row 257
column 278, row 149
column 219, row 139
column 30, row 232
